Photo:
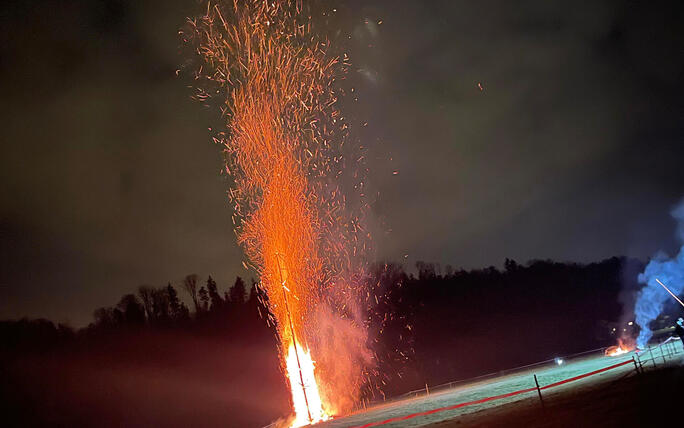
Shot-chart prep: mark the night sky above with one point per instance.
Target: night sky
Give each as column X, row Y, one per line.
column 529, row 129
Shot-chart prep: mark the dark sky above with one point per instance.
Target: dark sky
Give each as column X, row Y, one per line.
column 573, row 149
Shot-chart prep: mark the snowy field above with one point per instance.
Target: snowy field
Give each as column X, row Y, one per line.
column 546, row 374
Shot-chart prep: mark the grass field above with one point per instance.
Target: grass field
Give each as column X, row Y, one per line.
column 523, row 379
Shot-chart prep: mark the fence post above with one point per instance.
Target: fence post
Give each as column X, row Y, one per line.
column 427, row 390
column 536, row 382
column 636, row 367
column 641, row 365
column 650, row 351
column 662, row 353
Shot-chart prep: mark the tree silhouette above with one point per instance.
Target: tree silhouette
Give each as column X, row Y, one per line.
column 104, row 317
column 511, row 265
column 190, row 285
column 175, row 310
column 214, row 296
column 160, row 302
column 133, row 311
column 253, row 299
column 145, row 292
column 184, row 313
column 238, row 292
column 204, row 298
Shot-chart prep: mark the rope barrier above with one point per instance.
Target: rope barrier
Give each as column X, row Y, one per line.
column 442, row 409
column 510, row 394
column 505, row 372
column 551, row 385
column 486, row 399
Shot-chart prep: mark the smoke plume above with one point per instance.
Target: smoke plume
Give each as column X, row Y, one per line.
column 651, row 299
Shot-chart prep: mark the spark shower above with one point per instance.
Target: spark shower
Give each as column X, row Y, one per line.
column 277, row 85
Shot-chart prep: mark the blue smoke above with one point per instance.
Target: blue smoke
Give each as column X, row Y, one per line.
column 651, row 299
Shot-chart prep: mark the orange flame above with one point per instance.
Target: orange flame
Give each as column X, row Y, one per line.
column 619, row 349
column 275, row 83
column 311, row 405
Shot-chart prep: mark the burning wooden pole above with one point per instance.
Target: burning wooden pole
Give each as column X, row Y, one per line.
column 294, row 338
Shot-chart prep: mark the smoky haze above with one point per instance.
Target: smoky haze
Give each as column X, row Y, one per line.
column 516, row 129
column 661, row 272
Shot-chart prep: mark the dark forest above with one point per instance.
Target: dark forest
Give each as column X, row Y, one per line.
column 167, row 362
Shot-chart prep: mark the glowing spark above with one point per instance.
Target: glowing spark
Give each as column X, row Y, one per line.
column 275, row 85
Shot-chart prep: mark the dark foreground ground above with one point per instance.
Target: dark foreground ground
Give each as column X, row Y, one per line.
column 654, row 398
column 181, row 379
column 170, row 380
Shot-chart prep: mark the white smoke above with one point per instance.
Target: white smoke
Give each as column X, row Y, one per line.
column 651, row 299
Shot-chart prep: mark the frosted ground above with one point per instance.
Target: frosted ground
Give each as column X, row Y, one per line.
column 546, row 374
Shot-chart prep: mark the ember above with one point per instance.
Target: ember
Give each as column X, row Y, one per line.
column 275, row 84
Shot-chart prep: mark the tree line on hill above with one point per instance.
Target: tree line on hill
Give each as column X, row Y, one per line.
column 162, row 306
column 432, row 326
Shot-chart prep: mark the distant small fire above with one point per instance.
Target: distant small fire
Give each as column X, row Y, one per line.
column 619, row 349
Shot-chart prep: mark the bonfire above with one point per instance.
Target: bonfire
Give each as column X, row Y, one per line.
column 619, row 349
